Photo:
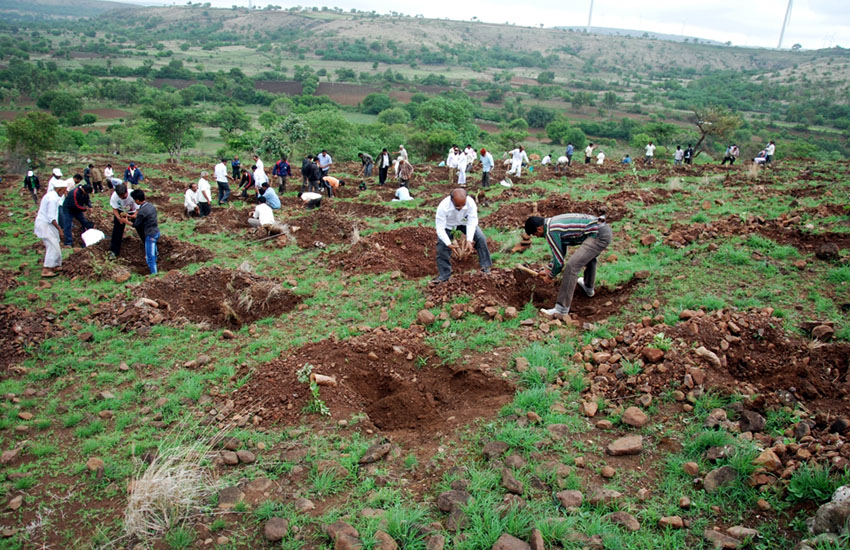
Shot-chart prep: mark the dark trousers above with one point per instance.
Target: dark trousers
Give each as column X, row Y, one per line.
column 281, row 188
column 68, row 222
column 34, row 194
column 584, row 257
column 382, row 175
column 444, row 253
column 117, row 236
column 97, row 186
column 367, row 170
column 328, row 188
column 485, row 179
column 730, row 160
column 303, row 182
column 569, row 160
column 587, row 160
column 687, row 161
column 205, row 208
column 223, row 192
column 314, row 186
column 313, row 204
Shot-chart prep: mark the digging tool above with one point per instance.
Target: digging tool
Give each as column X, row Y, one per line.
column 527, row 270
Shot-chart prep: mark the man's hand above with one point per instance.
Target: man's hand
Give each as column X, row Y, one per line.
column 546, row 276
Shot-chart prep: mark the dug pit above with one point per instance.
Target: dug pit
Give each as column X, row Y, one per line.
column 391, row 376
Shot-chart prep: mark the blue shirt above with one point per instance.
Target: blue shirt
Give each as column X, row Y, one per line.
column 570, row 150
column 272, row 199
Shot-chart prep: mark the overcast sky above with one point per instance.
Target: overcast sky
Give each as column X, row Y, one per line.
column 814, row 23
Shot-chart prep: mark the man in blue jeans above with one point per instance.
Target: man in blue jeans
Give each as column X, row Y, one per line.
column 145, row 222
column 76, row 203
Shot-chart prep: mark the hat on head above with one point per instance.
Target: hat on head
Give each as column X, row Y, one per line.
column 57, row 172
column 29, row 173
column 132, row 164
column 204, row 173
column 61, row 184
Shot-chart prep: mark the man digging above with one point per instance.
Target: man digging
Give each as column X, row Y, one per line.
column 459, row 212
column 590, row 233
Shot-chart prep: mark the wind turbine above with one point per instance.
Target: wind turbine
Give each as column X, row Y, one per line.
column 589, row 16
column 785, row 24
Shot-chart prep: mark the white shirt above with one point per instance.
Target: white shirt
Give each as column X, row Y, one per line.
column 546, row 160
column 517, row 156
column 108, row 173
column 588, row 151
column 402, row 152
column 48, row 212
column 122, row 205
column 324, row 160
column 449, row 217
column 203, row 185
column 264, row 213
column 600, row 158
column 461, row 162
column 452, row 160
column 259, row 164
column 403, row 194
column 679, row 155
column 220, row 172
column 385, row 160
column 770, row 149
column 650, row 150
column 310, row 196
column 259, row 177
column 190, row 200
column 50, row 184
column 563, row 160
column 471, row 155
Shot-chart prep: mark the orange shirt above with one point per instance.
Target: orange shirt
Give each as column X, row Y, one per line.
column 332, row 181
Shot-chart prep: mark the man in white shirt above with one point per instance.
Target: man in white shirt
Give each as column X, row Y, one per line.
column 204, row 195
column 260, row 177
column 190, row 201
column 259, row 163
column 518, row 156
column 57, row 177
column 462, row 162
column 459, row 212
column 650, row 153
column 600, row 158
column 770, row 150
column 222, row 181
column 402, row 152
column 122, row 205
column 263, row 216
column 588, row 153
column 451, row 162
column 108, row 172
column 486, row 166
column 402, row 193
column 311, row 200
column 678, row 156
column 324, row 160
column 47, row 227
column 471, row 157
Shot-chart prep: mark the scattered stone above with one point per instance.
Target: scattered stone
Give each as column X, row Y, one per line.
column 633, row 416
column 571, row 500
column 230, row 497
column 512, row 484
column 642, row 274
column 607, row 472
column 720, row 540
column 494, row 449
column 630, row 445
column 384, row 542
column 246, row 457
column 684, row 503
column 589, row 408
column 347, row 542
column 831, row 517
column 121, row 275
column 375, row 453
column 426, row 317
column 536, row 542
column 105, row 395
column 435, row 542
column 25, row 415
column 9, row 456
column 741, row 532
column 16, row 503
column 94, row 464
column 751, row 421
column 673, row 522
column 652, row 355
column 763, row 505
column 709, row 356
column 515, row 461
column 335, row 530
column 509, row 542
column 275, row 529
column 450, row 500
column 522, row 364
column 605, row 424
column 718, row 478
column 828, row 252
column 691, row 468
column 768, row 460
column 839, row 426
column 604, row 496
column 227, row 335
column 304, row 505
column 823, row 332
column 230, row 458
column 648, row 240
column 86, row 337
column 511, row 312
column 625, row 519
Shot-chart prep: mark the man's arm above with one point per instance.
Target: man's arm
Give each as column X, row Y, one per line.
column 554, row 240
column 440, row 222
column 471, row 220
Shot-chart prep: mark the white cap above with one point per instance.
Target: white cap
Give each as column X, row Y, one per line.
column 57, row 172
column 60, row 184
column 29, row 173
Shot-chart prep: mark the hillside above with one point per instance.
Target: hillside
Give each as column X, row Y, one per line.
column 58, row 9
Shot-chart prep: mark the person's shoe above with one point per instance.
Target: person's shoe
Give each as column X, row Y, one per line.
column 589, row 291
column 485, row 270
column 438, row 281
column 112, row 255
column 557, row 310
column 47, row 273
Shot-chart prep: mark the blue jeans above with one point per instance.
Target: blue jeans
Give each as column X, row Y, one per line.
column 223, row 192
column 367, row 170
column 67, row 222
column 151, row 252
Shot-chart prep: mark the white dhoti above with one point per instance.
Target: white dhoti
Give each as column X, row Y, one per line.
column 461, row 177
column 50, row 236
column 516, row 169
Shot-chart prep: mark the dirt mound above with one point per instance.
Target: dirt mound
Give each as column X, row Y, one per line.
column 224, row 220
column 364, row 210
column 393, row 377
column 21, row 330
column 514, row 215
column 213, row 296
column 94, row 262
column 504, row 287
column 755, row 356
column 8, row 280
column 410, row 250
column 783, row 230
column 322, row 226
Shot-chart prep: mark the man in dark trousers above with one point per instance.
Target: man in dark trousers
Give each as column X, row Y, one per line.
column 236, row 167
column 75, row 205
column 33, row 185
column 122, row 206
column 145, row 222
column 305, row 171
column 589, row 233
column 133, row 175
column 383, row 166
column 314, row 176
column 282, row 171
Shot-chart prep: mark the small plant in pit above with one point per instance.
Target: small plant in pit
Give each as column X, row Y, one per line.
column 631, row 368
column 661, row 341
column 316, row 405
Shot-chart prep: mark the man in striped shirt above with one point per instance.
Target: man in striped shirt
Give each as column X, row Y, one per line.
column 590, row 233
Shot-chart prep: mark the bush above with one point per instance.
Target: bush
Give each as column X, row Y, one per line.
column 394, row 115
column 373, row 104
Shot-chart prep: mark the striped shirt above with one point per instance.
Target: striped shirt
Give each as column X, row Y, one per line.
column 568, row 230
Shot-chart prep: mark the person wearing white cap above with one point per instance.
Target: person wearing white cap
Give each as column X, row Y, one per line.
column 47, row 227
column 33, row 185
column 402, row 152
column 57, row 176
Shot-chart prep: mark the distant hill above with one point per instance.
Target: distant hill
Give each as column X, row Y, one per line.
column 58, row 9
column 643, row 34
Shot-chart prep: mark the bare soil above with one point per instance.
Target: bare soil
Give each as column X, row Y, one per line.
column 22, row 329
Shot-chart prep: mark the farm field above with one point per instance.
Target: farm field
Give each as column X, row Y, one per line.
column 686, row 402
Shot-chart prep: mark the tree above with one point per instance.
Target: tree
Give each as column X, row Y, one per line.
column 714, row 123
column 374, row 103
column 610, row 100
column 539, row 117
column 170, row 125
column 546, row 77
column 32, row 135
column 230, row 118
column 394, row 115
column 283, row 137
column 796, row 47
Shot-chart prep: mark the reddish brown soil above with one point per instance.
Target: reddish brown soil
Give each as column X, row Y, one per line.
column 514, row 215
column 322, row 226
column 345, row 94
column 504, row 287
column 8, row 280
column 94, row 263
column 288, row 87
column 393, row 377
column 109, row 113
column 212, row 296
column 21, row 330
column 225, row 220
column 410, row 250
column 759, row 354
